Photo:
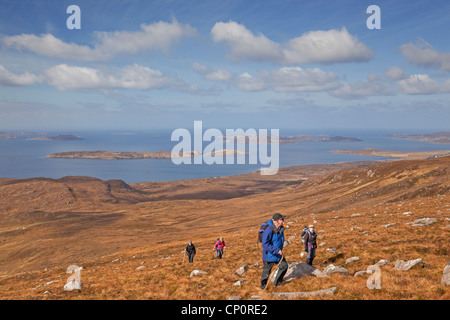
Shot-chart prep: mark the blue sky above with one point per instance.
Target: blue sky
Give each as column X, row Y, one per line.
column 137, row 65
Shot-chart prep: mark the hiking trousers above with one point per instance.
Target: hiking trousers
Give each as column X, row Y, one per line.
column 311, row 254
column 267, row 267
column 191, row 256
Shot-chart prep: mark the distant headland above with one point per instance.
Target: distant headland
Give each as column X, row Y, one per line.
column 436, row 137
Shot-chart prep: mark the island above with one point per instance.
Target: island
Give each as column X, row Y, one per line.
column 7, row 136
column 416, row 155
column 119, row 155
column 298, row 139
column 288, row 139
column 110, row 155
column 436, row 137
column 61, row 137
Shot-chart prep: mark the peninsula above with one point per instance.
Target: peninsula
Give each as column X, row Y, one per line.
column 436, row 137
column 119, row 155
column 369, row 152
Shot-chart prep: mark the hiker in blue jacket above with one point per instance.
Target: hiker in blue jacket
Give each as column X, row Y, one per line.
column 272, row 243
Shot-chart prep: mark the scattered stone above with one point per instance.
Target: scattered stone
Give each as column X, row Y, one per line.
column 239, row 283
column 388, row 225
column 349, row 260
column 382, row 262
column 241, row 271
column 331, row 249
column 140, row 268
column 197, row 273
column 423, row 222
column 234, row 298
column 360, row 273
column 446, row 275
column 406, row 265
column 332, row 269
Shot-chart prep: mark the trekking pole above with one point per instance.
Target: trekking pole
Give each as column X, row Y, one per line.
column 272, row 273
column 184, row 256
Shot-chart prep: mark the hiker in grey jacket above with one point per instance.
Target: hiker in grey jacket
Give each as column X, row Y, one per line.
column 310, row 244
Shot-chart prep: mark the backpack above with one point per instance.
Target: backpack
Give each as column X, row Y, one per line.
column 305, row 230
column 263, row 227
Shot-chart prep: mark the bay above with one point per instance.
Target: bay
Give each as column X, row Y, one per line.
column 23, row 158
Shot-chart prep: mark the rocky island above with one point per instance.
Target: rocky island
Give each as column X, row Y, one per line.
column 62, row 137
column 119, row 155
column 110, row 155
column 289, row 139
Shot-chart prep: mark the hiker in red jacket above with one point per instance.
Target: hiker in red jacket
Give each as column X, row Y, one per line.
column 219, row 247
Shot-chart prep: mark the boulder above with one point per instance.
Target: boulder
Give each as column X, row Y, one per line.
column 297, row 270
column 241, row 271
column 352, row 259
column 406, row 265
column 423, row 222
column 239, row 283
column 332, row 269
column 197, row 273
column 382, row 262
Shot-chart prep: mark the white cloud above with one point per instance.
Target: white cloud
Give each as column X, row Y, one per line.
column 326, row 47
column 362, row 89
column 423, row 54
column 423, row 84
column 288, row 79
column 297, row 79
column 316, row 46
column 8, row 78
column 395, row 73
column 50, row 46
column 246, row 82
column 244, row 44
column 212, row 74
column 160, row 35
column 65, row 77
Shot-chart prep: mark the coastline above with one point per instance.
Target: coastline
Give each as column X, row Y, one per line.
column 397, row 155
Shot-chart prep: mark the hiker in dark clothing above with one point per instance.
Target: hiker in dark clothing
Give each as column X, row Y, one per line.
column 272, row 243
column 190, row 250
column 310, row 244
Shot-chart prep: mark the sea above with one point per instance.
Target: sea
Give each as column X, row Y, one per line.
column 24, row 158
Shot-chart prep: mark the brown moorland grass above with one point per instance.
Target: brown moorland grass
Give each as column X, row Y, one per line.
column 372, row 222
